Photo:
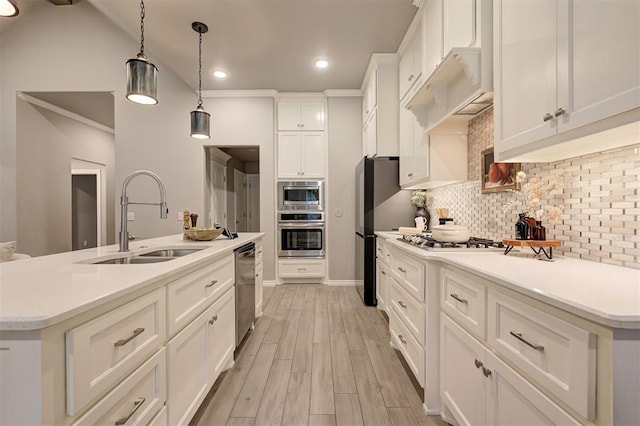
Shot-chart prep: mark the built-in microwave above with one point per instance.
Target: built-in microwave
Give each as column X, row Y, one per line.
column 301, row 195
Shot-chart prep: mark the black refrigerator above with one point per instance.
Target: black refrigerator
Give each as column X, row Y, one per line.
column 380, row 206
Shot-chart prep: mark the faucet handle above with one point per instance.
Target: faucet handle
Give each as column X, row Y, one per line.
column 130, row 236
column 164, row 210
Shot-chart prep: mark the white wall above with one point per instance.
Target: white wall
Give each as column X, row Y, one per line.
column 250, row 122
column 345, row 151
column 75, row 48
column 47, row 144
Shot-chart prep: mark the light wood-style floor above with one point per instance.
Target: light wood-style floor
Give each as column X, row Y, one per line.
column 317, row 356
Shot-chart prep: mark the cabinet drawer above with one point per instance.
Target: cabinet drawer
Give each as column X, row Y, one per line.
column 381, row 249
column 160, row 419
column 103, row 351
column 301, row 269
column 411, row 312
column 136, row 400
column 464, row 300
column 411, row 350
column 258, row 252
column 559, row 356
column 409, row 272
column 188, row 296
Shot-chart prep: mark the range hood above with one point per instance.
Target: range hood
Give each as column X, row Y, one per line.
column 460, row 88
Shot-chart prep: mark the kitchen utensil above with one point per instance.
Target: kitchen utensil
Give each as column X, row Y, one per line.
column 451, row 233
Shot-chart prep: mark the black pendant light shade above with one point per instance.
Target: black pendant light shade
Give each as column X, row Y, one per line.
column 200, row 119
column 8, row 8
column 142, row 75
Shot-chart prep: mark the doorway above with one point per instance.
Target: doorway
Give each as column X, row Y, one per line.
column 86, row 209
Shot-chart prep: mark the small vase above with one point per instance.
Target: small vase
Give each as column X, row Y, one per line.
column 522, row 227
column 539, row 231
column 532, row 224
column 423, row 212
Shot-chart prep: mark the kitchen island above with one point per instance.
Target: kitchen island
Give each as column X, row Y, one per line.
column 95, row 343
column 514, row 339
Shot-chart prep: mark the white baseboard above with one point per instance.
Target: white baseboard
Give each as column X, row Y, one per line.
column 341, row 283
column 269, row 283
column 429, row 412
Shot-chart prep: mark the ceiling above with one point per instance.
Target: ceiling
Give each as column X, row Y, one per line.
column 267, row 44
column 96, row 106
column 246, row 155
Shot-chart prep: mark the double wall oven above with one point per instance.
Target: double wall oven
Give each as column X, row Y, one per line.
column 301, row 225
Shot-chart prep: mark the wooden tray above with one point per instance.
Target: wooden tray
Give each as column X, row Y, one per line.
column 538, row 247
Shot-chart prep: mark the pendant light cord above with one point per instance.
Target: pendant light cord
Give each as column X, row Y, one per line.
column 200, row 69
column 142, row 26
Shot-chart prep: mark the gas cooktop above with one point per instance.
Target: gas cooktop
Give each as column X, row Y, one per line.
column 426, row 242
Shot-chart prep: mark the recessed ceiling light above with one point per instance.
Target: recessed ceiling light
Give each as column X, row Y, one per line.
column 321, row 64
column 220, row 74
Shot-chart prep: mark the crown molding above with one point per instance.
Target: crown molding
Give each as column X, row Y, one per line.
column 343, row 93
column 266, row 93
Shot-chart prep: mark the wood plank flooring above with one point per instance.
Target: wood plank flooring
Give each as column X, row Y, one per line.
column 317, row 356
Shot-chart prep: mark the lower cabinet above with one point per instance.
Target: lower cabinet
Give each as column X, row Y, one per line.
column 197, row 355
column 259, row 278
column 478, row 388
column 382, row 284
column 301, row 268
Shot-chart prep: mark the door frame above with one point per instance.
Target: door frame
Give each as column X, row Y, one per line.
column 101, row 225
column 238, row 176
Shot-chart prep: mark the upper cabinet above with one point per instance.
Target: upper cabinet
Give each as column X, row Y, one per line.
column 560, row 78
column 301, row 155
column 301, row 115
column 410, row 67
column 380, row 106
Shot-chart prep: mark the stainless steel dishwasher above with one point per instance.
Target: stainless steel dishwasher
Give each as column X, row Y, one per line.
column 245, row 258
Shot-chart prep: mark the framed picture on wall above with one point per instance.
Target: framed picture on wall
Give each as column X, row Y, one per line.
column 497, row 177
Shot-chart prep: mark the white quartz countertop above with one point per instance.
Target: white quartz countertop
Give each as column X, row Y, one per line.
column 605, row 294
column 42, row 291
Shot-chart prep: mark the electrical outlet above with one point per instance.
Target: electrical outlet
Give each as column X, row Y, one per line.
column 131, row 215
column 180, row 216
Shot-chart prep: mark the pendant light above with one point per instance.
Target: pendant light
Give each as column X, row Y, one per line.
column 8, row 8
column 199, row 117
column 142, row 76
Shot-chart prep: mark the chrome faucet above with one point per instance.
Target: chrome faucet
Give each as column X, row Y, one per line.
column 124, row 202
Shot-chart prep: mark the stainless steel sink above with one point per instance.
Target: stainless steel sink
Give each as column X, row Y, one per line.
column 164, row 253
column 134, row 260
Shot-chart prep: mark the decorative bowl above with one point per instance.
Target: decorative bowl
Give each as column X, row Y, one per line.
column 6, row 250
column 203, row 234
column 451, row 233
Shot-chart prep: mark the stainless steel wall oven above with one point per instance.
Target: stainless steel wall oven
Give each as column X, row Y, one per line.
column 301, row 234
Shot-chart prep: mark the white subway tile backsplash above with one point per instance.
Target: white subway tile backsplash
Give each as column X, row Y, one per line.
column 600, row 200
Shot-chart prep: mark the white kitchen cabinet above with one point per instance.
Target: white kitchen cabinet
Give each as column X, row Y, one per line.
column 459, row 23
column 432, row 28
column 586, row 77
column 382, row 285
column 301, row 268
column 196, row 355
column 380, row 89
column 301, row 115
column 259, row 278
column 414, row 150
column 301, row 155
column 410, row 65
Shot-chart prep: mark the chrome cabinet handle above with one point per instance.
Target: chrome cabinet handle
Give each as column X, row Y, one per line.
column 547, row 117
column 523, row 340
column 211, row 284
column 136, row 332
column 213, row 319
column 410, row 174
column 402, row 269
column 404, row 342
column 383, row 272
column 402, row 305
column 302, row 269
column 560, row 111
column 458, row 298
column 478, row 363
column 410, row 77
column 260, row 252
column 486, row 372
column 302, row 125
column 136, row 404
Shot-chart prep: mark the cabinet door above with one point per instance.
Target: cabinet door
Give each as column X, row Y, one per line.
column 421, row 151
column 259, row 279
column 370, row 136
column 514, row 401
column 381, row 285
column 405, row 72
column 187, row 370
column 289, row 116
column 289, row 155
column 432, row 25
column 599, row 65
column 312, row 149
column 459, row 23
column 407, row 146
column 462, row 382
column 312, row 116
column 221, row 336
column 525, row 64
column 370, row 97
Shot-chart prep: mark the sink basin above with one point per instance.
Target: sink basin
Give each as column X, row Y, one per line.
column 135, row 260
column 164, row 253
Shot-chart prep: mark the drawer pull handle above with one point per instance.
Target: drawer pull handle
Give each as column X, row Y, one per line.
column 486, row 372
column 404, row 342
column 383, row 272
column 136, row 333
column 560, row 111
column 302, row 269
column 402, row 270
column 211, row 284
column 213, row 319
column 458, row 298
column 260, row 252
column 136, row 404
column 547, row 117
column 523, row 340
column 478, row 363
column 401, row 303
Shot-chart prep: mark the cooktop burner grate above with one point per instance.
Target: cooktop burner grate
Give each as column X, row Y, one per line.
column 428, row 242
